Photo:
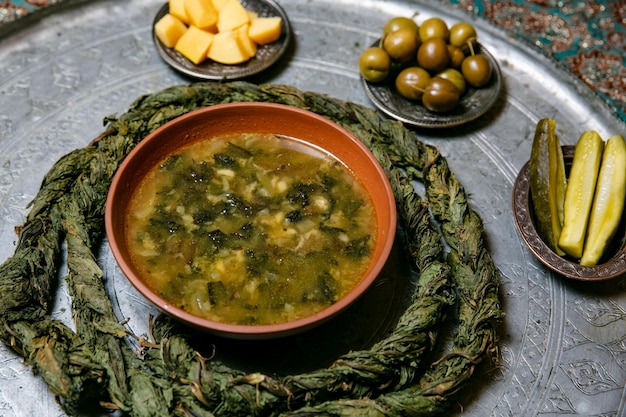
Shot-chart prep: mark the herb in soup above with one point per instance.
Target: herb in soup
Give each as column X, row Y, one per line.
column 251, row 229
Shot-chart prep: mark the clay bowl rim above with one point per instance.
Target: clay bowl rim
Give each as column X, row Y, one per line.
column 523, row 216
column 143, row 156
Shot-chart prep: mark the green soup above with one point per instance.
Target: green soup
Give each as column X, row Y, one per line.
column 251, row 229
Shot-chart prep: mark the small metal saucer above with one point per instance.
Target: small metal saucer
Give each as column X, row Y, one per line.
column 474, row 102
column 614, row 263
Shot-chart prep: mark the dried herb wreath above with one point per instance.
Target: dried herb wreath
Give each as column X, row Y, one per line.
column 93, row 361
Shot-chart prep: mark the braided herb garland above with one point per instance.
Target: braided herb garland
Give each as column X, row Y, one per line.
column 169, row 377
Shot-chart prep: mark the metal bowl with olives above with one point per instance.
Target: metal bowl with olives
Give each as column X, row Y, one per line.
column 430, row 74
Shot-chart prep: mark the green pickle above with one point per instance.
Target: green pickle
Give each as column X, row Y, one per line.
column 608, row 203
column 580, row 190
column 548, row 183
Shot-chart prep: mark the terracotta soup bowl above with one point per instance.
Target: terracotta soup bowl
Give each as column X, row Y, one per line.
column 161, row 150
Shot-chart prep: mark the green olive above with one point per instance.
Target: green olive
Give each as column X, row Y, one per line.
column 456, row 56
column 432, row 55
column 461, row 33
column 477, row 70
column 455, row 77
column 434, row 27
column 411, row 82
column 374, row 64
column 400, row 22
column 440, row 95
column 401, row 45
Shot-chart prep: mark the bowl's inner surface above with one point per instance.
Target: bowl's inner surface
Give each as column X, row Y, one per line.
column 247, row 118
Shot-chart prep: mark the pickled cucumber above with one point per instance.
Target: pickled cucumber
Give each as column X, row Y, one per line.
column 608, row 202
column 579, row 193
column 548, row 182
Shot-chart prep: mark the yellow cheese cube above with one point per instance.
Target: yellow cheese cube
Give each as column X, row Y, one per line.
column 219, row 4
column 169, row 30
column 252, row 15
column 232, row 16
column 194, row 44
column 226, row 49
column 202, row 13
column 247, row 45
column 177, row 9
column 212, row 28
column 264, row 30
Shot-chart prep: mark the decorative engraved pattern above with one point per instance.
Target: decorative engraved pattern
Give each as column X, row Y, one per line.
column 597, row 311
column 618, row 350
column 573, row 337
column 557, row 403
column 591, row 377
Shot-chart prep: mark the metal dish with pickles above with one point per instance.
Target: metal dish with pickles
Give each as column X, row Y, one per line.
column 568, row 204
column 430, row 74
column 221, row 39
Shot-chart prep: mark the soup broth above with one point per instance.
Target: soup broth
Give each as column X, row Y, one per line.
column 251, row 229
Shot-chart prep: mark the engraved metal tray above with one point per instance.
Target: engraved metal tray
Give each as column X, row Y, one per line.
column 563, row 342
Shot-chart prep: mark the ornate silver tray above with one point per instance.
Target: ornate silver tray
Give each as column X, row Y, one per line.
column 563, row 343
